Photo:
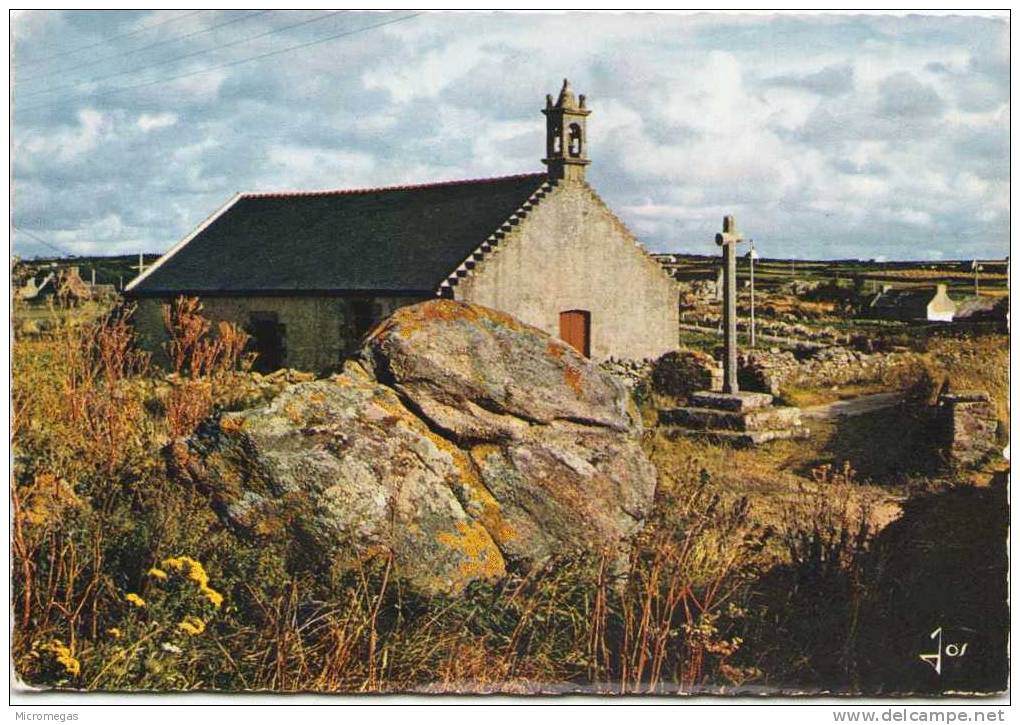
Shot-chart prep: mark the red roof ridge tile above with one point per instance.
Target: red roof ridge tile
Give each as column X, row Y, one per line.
column 370, row 190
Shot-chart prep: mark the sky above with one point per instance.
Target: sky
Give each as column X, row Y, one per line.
column 827, row 136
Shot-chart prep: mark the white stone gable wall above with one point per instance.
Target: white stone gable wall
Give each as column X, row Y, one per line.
column 570, row 252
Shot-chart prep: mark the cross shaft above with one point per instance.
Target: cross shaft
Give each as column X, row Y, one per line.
column 728, row 239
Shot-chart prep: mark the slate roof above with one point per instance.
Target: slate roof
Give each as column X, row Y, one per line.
column 400, row 240
column 912, row 303
column 904, row 297
column 977, row 308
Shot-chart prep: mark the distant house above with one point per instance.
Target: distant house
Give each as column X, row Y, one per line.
column 308, row 273
column 66, row 284
column 912, row 304
column 31, row 289
column 71, row 288
column 982, row 309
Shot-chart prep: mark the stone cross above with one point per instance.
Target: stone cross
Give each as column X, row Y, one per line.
column 728, row 240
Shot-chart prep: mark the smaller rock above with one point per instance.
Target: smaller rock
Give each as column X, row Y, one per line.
column 679, row 373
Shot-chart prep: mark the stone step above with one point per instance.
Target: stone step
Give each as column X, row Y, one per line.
column 755, row 419
column 737, row 402
column 741, row 438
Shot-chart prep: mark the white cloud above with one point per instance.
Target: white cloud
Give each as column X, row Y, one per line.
column 152, row 121
column 434, row 71
column 915, row 217
column 67, row 144
column 296, row 167
column 204, row 86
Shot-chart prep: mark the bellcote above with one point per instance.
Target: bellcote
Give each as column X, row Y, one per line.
column 566, row 136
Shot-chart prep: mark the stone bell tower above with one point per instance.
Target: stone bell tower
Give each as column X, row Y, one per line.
column 566, row 137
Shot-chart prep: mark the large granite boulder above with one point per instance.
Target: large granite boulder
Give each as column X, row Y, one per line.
column 459, row 440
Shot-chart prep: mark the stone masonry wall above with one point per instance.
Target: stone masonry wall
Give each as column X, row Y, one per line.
column 571, row 253
column 319, row 331
column 967, row 426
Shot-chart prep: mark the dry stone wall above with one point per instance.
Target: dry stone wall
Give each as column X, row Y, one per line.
column 770, row 370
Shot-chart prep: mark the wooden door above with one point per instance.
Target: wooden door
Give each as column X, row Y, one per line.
column 575, row 330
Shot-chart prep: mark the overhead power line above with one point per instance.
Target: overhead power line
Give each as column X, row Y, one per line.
column 132, row 51
column 109, row 39
column 171, row 61
column 41, row 240
column 226, row 65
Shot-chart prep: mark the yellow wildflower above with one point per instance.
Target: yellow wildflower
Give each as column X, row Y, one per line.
column 114, row 632
column 192, row 625
column 157, row 573
column 63, row 655
column 196, row 572
column 213, row 596
column 135, row 599
column 178, row 563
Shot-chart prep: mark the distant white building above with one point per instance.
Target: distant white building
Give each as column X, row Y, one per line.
column 913, row 303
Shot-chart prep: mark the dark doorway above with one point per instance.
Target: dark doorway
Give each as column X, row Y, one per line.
column 575, row 330
column 363, row 316
column 267, row 341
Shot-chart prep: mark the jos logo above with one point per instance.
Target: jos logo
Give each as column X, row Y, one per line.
column 953, row 649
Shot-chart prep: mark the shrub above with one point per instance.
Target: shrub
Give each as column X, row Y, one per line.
column 803, row 620
column 200, row 362
column 194, row 351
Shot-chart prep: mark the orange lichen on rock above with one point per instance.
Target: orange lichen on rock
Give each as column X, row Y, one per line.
column 492, row 519
column 482, row 504
column 389, row 403
column 500, row 318
column 480, row 501
column 412, row 319
column 483, row 450
column 231, row 423
column 572, row 376
column 482, row 559
column 294, row 412
column 555, row 349
column 353, row 371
